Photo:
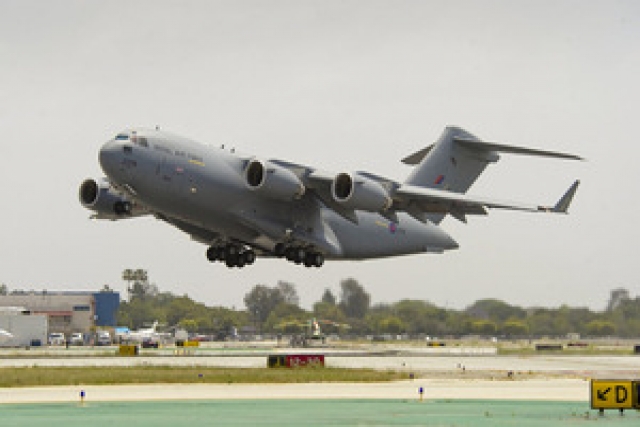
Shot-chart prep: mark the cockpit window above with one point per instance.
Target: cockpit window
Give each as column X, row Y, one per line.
column 136, row 139
column 140, row 140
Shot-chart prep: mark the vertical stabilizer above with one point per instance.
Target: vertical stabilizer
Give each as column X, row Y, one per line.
column 447, row 165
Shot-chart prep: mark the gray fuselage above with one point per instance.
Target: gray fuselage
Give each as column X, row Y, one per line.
column 204, row 191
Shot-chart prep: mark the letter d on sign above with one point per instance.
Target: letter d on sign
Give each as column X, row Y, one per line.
column 621, row 394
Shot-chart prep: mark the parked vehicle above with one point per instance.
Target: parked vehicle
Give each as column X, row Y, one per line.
column 76, row 339
column 103, row 338
column 149, row 343
column 56, row 338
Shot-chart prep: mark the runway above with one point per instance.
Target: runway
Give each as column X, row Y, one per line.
column 490, row 366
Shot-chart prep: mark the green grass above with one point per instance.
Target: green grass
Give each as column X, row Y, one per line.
column 50, row 376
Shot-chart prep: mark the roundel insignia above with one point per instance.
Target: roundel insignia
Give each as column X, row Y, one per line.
column 393, row 227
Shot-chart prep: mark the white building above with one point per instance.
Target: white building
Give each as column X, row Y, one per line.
column 21, row 328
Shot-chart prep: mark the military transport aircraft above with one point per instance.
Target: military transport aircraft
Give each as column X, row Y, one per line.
column 243, row 206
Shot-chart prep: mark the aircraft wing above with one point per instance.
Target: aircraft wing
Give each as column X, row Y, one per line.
column 419, row 201
column 319, row 182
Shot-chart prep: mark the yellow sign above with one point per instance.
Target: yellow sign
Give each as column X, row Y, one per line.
column 128, row 350
column 612, row 394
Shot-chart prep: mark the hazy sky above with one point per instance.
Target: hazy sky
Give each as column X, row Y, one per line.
column 344, row 85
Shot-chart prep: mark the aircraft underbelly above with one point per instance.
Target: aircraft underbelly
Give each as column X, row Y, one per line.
column 377, row 237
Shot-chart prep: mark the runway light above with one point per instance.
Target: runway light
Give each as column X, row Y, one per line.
column 82, row 396
column 421, row 392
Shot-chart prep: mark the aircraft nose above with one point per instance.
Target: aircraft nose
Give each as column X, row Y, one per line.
column 109, row 157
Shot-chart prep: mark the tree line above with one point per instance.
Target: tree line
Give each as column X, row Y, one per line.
column 276, row 310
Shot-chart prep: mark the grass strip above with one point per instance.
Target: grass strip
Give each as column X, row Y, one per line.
column 52, row 376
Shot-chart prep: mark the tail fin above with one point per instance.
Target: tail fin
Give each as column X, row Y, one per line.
column 458, row 158
column 448, row 166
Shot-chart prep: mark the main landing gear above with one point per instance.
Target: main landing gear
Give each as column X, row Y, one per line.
column 237, row 256
column 231, row 255
column 299, row 255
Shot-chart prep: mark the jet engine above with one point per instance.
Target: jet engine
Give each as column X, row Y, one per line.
column 273, row 181
column 101, row 198
column 360, row 193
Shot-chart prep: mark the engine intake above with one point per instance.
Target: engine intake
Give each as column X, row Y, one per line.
column 273, row 181
column 100, row 197
column 360, row 193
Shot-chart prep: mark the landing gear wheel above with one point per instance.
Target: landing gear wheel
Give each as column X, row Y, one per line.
column 242, row 260
column 289, row 253
column 250, row 257
column 231, row 251
column 318, row 260
column 299, row 255
column 213, row 254
column 122, row 208
column 280, row 250
column 232, row 261
column 314, row 259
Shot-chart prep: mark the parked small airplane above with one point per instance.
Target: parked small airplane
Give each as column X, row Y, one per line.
column 242, row 206
column 143, row 334
column 5, row 336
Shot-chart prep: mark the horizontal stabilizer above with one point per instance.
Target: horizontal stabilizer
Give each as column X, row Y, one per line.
column 484, row 146
column 501, row 148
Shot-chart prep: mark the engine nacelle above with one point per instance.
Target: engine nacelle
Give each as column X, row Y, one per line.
column 100, row 197
column 360, row 193
column 273, row 181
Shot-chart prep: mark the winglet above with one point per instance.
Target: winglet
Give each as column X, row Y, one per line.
column 565, row 201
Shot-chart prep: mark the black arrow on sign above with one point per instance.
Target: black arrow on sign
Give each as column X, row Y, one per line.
column 602, row 395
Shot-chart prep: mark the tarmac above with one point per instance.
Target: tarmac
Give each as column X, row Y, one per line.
column 545, row 365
